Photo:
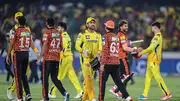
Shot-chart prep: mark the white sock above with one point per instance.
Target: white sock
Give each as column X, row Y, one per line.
column 115, row 87
column 94, row 99
column 128, row 98
column 19, row 99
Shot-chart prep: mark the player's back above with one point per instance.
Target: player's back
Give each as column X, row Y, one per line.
column 22, row 39
column 13, row 30
column 54, row 44
column 66, row 44
column 156, row 54
column 110, row 48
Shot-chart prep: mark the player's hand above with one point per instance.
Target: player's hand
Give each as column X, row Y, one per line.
column 98, row 56
column 139, row 54
column 7, row 60
column 88, row 65
column 139, row 49
column 85, row 53
column 38, row 62
column 135, row 49
column 11, row 58
column 37, row 55
column 102, row 68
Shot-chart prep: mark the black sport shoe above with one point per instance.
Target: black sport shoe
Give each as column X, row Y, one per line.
column 66, row 97
column 28, row 97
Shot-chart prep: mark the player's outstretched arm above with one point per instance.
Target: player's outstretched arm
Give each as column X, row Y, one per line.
column 129, row 49
column 152, row 46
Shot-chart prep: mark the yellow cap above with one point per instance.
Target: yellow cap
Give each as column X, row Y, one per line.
column 18, row 14
column 90, row 19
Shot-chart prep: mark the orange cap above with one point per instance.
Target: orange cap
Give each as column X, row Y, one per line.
column 110, row 24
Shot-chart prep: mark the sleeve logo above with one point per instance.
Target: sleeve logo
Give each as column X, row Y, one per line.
column 122, row 38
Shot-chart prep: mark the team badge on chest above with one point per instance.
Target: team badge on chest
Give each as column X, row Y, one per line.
column 87, row 36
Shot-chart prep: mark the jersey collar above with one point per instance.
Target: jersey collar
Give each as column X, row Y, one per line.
column 51, row 28
column 86, row 31
column 122, row 32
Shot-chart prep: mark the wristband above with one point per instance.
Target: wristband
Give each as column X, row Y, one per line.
column 35, row 50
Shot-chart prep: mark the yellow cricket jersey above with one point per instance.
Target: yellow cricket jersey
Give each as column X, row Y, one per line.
column 89, row 41
column 66, row 44
column 155, row 49
column 12, row 32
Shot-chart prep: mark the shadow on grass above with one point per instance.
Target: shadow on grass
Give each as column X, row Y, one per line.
column 174, row 98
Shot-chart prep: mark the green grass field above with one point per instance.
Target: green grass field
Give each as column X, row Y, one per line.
column 134, row 90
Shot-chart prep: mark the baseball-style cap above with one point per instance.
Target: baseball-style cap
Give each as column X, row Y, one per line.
column 110, row 24
column 18, row 14
column 90, row 19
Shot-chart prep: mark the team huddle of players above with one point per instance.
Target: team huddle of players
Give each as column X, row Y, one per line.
column 108, row 53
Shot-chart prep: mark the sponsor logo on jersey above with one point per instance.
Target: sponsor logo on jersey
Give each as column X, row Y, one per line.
column 115, row 39
column 92, row 40
column 87, row 36
column 54, row 35
column 25, row 34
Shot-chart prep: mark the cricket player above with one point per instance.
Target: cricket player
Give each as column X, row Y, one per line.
column 77, row 46
column 110, row 62
column 21, row 42
column 10, row 73
column 80, row 56
column 12, row 87
column 66, row 65
column 52, row 46
column 154, row 52
column 89, row 45
column 124, row 49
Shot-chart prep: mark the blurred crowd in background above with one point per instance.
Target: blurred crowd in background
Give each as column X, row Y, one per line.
column 75, row 15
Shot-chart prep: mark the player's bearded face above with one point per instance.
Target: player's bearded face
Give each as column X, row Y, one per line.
column 92, row 25
column 125, row 28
